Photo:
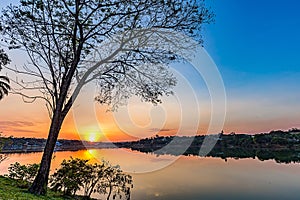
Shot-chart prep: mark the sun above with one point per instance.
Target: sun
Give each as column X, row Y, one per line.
column 92, row 137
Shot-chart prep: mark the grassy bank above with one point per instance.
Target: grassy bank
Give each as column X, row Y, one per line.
column 9, row 190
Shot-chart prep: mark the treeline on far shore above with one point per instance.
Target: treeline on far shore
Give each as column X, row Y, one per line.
column 20, row 145
column 281, row 146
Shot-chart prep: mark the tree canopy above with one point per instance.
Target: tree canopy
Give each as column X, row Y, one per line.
column 59, row 36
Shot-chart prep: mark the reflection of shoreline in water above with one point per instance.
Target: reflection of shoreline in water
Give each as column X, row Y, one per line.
column 280, row 156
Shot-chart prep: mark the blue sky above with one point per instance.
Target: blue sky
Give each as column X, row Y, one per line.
column 256, row 46
column 255, row 39
column 264, row 33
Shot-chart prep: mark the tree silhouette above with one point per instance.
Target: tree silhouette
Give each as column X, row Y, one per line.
column 115, row 183
column 126, row 37
column 75, row 174
column 4, row 86
column 4, row 81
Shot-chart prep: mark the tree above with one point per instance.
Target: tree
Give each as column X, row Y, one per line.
column 24, row 174
column 4, row 86
column 59, row 36
column 115, row 182
column 69, row 178
column 93, row 176
column 76, row 174
column 4, row 89
column 4, row 81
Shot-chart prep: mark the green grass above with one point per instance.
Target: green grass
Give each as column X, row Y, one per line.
column 9, row 190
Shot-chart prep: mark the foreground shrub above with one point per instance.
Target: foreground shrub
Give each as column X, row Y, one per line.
column 103, row 178
column 69, row 177
column 24, row 174
column 115, row 182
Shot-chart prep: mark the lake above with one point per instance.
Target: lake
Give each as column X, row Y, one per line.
column 168, row 177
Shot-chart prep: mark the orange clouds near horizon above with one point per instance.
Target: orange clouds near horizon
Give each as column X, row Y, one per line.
column 31, row 120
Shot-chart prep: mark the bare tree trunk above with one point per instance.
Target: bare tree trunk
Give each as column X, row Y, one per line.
column 128, row 197
column 92, row 188
column 109, row 193
column 40, row 183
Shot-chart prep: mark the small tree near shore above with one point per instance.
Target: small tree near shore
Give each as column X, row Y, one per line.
column 115, row 183
column 24, row 174
column 69, row 178
column 103, row 178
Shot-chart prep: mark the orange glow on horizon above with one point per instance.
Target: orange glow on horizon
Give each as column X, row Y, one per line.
column 92, row 137
column 31, row 120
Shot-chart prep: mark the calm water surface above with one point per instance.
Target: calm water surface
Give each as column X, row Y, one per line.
column 170, row 177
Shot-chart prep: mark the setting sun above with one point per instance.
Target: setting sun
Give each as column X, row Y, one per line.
column 93, row 137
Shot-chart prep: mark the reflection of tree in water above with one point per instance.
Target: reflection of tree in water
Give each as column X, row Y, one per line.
column 281, row 146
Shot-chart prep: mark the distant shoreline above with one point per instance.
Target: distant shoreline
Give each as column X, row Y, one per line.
column 282, row 146
column 31, row 145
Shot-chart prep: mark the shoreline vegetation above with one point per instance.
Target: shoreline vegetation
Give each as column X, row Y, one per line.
column 29, row 145
column 73, row 175
column 9, row 189
column 281, row 146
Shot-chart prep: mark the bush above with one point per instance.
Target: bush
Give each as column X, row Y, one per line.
column 24, row 174
column 114, row 182
column 69, row 178
column 76, row 174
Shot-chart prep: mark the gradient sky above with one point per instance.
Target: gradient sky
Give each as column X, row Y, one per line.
column 255, row 45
